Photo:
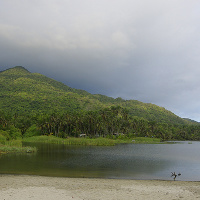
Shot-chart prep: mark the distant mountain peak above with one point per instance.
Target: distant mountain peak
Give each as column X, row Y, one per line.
column 16, row 70
column 20, row 67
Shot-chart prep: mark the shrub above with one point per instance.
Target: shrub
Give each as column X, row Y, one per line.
column 2, row 139
column 32, row 131
column 15, row 133
column 5, row 134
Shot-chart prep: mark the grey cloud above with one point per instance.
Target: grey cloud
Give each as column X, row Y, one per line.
column 144, row 50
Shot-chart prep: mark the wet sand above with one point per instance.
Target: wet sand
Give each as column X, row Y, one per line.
column 22, row 187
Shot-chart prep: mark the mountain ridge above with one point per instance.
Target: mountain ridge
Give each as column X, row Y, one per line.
column 24, row 92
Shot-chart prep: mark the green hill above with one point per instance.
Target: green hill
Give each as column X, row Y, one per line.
column 23, row 92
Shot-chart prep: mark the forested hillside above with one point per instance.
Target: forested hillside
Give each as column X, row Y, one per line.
column 31, row 103
column 23, row 92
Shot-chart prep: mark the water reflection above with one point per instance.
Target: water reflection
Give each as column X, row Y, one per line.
column 127, row 161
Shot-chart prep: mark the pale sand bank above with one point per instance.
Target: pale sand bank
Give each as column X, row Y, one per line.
column 53, row 188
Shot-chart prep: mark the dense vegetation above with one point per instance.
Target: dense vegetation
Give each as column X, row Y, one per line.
column 32, row 104
column 113, row 122
column 24, row 93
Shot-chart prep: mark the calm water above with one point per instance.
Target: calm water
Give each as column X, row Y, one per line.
column 127, row 161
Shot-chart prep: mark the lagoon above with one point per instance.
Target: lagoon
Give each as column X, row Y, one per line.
column 124, row 161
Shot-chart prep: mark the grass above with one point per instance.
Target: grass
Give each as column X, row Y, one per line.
column 73, row 141
column 15, row 146
column 100, row 141
column 146, row 140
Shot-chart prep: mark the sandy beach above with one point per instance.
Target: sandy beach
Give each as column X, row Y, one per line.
column 23, row 187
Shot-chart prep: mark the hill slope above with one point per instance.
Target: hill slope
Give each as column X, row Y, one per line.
column 24, row 92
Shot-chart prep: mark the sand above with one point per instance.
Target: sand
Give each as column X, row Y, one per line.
column 22, row 187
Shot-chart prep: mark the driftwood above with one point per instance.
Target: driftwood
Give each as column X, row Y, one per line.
column 175, row 175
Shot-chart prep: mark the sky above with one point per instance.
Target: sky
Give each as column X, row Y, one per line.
column 146, row 50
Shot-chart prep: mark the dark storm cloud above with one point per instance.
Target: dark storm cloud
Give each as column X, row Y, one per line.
column 144, row 50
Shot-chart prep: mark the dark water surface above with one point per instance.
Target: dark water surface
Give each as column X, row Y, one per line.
column 126, row 161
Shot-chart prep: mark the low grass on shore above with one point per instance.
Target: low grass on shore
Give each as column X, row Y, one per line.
column 100, row 141
column 15, row 146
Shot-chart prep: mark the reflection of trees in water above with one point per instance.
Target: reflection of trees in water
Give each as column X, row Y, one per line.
column 131, row 161
column 119, row 161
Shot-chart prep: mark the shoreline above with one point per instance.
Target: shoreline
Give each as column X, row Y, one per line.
column 35, row 187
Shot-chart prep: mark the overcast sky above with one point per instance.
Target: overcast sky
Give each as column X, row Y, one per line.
column 147, row 50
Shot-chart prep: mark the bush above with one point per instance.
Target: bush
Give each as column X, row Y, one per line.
column 32, row 131
column 15, row 133
column 2, row 139
column 5, row 134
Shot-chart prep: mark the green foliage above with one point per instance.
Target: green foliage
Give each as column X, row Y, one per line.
column 2, row 139
column 76, row 141
column 147, row 140
column 15, row 143
column 32, row 131
column 32, row 104
column 5, row 134
column 14, row 149
column 91, row 142
column 14, row 146
column 28, row 93
column 14, row 132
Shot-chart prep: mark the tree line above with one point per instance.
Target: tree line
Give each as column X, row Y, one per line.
column 108, row 122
